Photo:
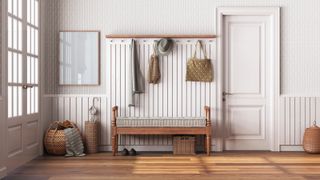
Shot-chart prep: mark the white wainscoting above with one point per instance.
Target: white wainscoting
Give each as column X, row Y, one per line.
column 75, row 108
column 297, row 113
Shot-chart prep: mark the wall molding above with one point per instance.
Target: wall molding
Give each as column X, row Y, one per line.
column 286, row 148
column 73, row 95
column 299, row 95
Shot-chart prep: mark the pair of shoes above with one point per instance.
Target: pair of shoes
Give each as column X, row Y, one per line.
column 125, row 152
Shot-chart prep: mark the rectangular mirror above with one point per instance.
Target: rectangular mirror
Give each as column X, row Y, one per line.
column 79, row 58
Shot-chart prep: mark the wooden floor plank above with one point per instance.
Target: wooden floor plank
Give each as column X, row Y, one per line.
column 227, row 165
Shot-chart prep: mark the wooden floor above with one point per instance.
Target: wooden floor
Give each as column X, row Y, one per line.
column 227, row 165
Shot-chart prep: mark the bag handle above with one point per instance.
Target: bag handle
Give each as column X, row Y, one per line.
column 201, row 48
column 155, row 52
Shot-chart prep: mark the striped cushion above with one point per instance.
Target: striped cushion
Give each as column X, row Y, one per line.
column 161, row 122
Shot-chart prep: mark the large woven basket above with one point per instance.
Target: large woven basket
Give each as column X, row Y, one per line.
column 311, row 139
column 91, row 135
column 54, row 141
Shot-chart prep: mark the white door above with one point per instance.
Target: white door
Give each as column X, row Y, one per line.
column 23, row 82
column 246, row 93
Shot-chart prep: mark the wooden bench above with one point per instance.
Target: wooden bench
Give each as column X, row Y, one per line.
column 116, row 131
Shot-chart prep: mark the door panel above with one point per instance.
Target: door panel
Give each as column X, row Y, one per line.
column 246, row 96
column 23, row 94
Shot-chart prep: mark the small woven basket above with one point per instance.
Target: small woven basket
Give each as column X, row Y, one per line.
column 184, row 145
column 54, row 140
column 91, row 137
column 311, row 139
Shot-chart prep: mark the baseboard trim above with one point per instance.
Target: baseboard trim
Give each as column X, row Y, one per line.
column 107, row 148
column 3, row 172
column 289, row 148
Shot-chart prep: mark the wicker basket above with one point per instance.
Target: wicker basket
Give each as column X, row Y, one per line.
column 54, row 140
column 184, row 145
column 91, row 137
column 311, row 139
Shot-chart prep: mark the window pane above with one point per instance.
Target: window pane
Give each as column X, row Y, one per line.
column 9, row 32
column 9, row 67
column 36, row 102
column 28, row 101
column 32, row 12
column 32, row 40
column 20, row 35
column 15, row 32
column 28, row 39
column 36, row 43
column 28, row 11
column 20, row 68
column 10, row 6
column 15, row 68
column 15, row 8
column 20, row 101
column 9, row 101
column 36, row 70
column 36, row 13
column 20, row 9
column 32, row 70
column 15, row 101
column 28, row 70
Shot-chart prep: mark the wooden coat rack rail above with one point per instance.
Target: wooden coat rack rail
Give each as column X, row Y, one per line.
column 152, row 36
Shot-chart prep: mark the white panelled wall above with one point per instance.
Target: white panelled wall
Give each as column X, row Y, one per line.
column 297, row 113
column 299, row 62
column 172, row 97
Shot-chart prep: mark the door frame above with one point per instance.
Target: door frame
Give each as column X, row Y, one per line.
column 274, row 14
column 3, row 117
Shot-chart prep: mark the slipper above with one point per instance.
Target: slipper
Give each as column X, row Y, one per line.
column 132, row 152
column 124, row 152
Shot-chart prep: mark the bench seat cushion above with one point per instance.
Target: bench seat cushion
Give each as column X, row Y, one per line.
column 161, row 122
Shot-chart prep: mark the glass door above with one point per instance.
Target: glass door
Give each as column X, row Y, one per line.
column 23, row 81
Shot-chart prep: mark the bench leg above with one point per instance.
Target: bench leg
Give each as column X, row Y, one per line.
column 114, row 145
column 208, row 144
column 205, row 144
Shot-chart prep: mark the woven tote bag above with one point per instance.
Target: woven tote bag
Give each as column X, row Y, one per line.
column 199, row 69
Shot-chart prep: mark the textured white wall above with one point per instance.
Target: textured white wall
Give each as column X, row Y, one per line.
column 300, row 27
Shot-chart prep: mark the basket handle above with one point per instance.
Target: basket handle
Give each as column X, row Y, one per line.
column 49, row 128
